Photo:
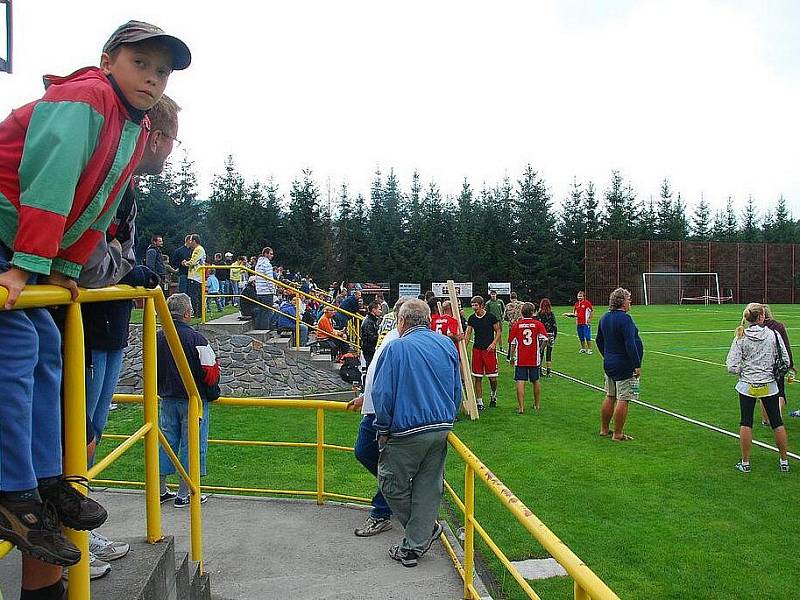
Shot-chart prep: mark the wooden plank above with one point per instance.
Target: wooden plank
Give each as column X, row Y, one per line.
column 468, row 403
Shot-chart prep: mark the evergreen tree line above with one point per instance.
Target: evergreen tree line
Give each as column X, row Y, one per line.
column 510, row 231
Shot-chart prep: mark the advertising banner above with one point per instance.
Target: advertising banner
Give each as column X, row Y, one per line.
column 463, row 290
column 409, row 289
column 370, row 287
column 502, row 289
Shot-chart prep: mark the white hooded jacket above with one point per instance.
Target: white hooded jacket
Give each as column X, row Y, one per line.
column 753, row 355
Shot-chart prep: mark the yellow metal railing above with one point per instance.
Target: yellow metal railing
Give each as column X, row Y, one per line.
column 586, row 584
column 353, row 324
column 74, row 375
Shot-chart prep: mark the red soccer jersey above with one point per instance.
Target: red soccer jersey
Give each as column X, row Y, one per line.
column 583, row 309
column 444, row 324
column 529, row 334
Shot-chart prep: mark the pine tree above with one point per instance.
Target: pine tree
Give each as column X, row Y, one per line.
column 646, row 225
column 726, row 224
column 750, row 229
column 571, row 235
column 778, row 225
column 620, row 218
column 663, row 212
column 593, row 217
column 305, row 233
column 352, row 239
column 701, row 221
column 467, row 236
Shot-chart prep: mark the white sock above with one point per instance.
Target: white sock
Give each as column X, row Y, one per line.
column 479, row 401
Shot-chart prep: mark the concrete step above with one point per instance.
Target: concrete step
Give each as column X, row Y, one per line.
column 147, row 573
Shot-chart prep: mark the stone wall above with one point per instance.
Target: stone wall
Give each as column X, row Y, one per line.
column 249, row 366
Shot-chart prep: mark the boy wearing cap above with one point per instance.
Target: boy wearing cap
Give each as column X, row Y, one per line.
column 65, row 161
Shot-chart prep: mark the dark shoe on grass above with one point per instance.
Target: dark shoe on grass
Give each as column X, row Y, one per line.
column 33, row 528
column 74, row 510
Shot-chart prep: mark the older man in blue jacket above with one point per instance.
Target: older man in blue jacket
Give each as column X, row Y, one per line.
column 416, row 393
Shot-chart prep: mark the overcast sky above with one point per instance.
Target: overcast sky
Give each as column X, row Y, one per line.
column 703, row 92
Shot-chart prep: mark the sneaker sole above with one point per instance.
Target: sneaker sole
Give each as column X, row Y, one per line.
column 435, row 536
column 114, row 555
column 85, row 525
column 37, row 552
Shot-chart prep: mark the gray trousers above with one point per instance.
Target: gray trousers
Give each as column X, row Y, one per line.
column 410, row 477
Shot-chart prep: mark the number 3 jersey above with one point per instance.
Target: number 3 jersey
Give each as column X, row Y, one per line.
column 527, row 335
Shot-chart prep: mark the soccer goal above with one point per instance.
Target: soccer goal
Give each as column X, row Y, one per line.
column 682, row 287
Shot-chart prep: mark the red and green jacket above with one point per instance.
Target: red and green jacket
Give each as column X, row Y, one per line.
column 65, row 161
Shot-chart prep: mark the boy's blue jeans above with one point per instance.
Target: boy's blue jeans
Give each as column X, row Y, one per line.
column 101, row 381
column 367, row 453
column 174, row 423
column 30, row 395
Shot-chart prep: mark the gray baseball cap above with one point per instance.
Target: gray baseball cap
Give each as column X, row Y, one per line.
column 138, row 31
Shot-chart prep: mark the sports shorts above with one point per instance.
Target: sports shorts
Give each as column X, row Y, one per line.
column 585, row 333
column 526, row 374
column 484, row 362
column 621, row 390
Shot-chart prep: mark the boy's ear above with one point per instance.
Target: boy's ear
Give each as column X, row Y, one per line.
column 105, row 62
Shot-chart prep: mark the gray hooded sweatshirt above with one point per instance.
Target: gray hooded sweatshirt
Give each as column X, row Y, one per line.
column 753, row 355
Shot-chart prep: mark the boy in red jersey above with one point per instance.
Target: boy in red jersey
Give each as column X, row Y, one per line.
column 527, row 335
column 582, row 312
column 65, row 161
column 446, row 324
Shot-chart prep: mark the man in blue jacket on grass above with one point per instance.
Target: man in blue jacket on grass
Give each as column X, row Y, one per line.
column 416, row 393
column 619, row 342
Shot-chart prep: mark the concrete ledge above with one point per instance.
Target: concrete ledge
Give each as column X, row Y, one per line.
column 142, row 575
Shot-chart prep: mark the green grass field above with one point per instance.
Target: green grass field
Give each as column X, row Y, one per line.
column 663, row 516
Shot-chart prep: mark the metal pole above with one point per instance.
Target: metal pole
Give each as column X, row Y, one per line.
column 75, row 437
column 202, row 296
column 195, row 523
column 469, row 528
column 644, row 287
column 150, row 389
column 297, row 322
column 320, row 456
column 579, row 593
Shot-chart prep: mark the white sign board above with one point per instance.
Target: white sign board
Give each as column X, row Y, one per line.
column 463, row 290
column 502, row 289
column 409, row 289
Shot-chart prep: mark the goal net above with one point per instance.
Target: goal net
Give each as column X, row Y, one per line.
column 680, row 288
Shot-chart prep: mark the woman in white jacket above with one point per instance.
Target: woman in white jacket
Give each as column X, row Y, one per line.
column 752, row 356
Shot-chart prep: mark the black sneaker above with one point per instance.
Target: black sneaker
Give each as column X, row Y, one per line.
column 407, row 558
column 74, row 510
column 493, row 403
column 167, row 496
column 33, row 528
column 438, row 528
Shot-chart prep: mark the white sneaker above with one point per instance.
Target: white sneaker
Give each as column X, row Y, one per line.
column 105, row 549
column 97, row 568
column 589, row 351
column 582, row 351
column 113, row 406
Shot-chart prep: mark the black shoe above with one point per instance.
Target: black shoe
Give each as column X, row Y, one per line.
column 493, row 403
column 438, row 528
column 407, row 558
column 74, row 510
column 33, row 528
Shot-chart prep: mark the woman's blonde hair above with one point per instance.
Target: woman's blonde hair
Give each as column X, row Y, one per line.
column 750, row 316
column 767, row 312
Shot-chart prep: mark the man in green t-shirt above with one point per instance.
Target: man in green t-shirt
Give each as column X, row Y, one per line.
column 497, row 307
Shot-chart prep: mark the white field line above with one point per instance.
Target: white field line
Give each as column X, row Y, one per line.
column 677, row 415
column 700, row 360
column 696, row 331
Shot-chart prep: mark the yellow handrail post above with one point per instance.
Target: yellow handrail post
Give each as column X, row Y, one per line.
column 202, row 296
column 297, row 322
column 580, row 593
column 195, row 414
column 75, row 436
column 469, row 529
column 150, row 385
column 320, row 456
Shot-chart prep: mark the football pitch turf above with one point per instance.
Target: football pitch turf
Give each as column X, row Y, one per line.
column 663, row 516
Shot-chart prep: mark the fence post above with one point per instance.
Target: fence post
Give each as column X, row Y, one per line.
column 150, row 390
column 203, row 298
column 75, row 436
column 469, row 529
column 320, row 456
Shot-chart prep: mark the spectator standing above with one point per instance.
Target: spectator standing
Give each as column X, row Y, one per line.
column 416, row 393
column 384, row 305
column 582, row 313
column 238, row 278
column 548, row 319
column 366, row 446
column 527, row 335
column 213, row 288
column 224, row 276
column 498, row 308
column 780, row 328
column 752, row 357
column 174, row 404
column 349, row 303
column 154, row 258
column 196, row 274
column 369, row 332
column 619, row 343
column 247, row 304
column 264, row 287
column 513, row 309
column 179, row 259
column 487, row 332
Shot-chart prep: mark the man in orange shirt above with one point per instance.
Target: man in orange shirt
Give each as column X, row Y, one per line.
column 326, row 331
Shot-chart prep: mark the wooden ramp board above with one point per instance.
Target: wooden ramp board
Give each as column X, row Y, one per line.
column 468, row 398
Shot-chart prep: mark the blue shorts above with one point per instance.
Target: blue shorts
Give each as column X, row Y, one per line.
column 526, row 373
column 585, row 333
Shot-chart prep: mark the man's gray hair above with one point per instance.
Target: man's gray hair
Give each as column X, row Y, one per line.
column 617, row 298
column 399, row 304
column 178, row 304
column 415, row 313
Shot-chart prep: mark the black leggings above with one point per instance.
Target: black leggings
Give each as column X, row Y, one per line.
column 747, row 405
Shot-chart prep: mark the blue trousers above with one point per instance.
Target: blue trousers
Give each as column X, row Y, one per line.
column 366, row 450
column 101, row 381
column 30, row 395
column 182, row 284
column 174, row 423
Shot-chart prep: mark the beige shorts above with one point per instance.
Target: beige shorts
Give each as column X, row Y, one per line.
column 621, row 390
